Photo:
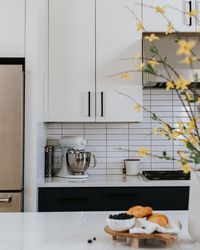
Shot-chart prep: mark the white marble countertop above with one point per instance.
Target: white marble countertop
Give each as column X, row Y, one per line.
column 71, row 231
column 109, row 181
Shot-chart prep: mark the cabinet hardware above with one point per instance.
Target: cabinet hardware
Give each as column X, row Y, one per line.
column 122, row 194
column 6, row 199
column 102, row 104
column 190, row 9
column 89, row 103
column 74, row 199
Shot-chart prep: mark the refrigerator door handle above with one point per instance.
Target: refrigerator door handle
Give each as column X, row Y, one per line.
column 6, row 199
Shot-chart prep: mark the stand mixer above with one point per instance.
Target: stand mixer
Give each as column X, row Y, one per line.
column 75, row 160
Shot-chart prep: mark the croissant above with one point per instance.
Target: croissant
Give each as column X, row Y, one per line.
column 160, row 219
column 140, row 212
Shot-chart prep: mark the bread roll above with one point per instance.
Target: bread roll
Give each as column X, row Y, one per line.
column 160, row 219
column 140, row 212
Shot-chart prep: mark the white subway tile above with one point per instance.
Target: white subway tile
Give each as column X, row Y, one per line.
column 117, row 131
column 95, row 131
column 117, row 125
column 97, row 171
column 95, row 125
column 53, row 125
column 73, row 132
column 117, row 137
column 95, row 137
column 73, row 125
column 54, row 131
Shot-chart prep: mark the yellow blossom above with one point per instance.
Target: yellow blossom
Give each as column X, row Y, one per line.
column 139, row 26
column 165, row 130
column 137, row 107
column 182, row 155
column 188, row 96
column 191, row 125
column 160, row 10
column 153, row 62
column 143, row 151
column 139, row 66
column 152, row 37
column 169, row 85
column 155, row 131
column 126, row 76
column 193, row 139
column 174, row 135
column 182, row 83
column 185, row 47
column 198, row 100
column 170, row 28
column 138, row 56
column 186, row 168
column 180, row 127
column 193, row 13
column 189, row 60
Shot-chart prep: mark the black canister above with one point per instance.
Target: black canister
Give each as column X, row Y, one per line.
column 49, row 150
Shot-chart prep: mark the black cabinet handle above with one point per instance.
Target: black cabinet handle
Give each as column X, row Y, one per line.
column 74, row 199
column 89, row 103
column 102, row 104
column 190, row 9
column 122, row 194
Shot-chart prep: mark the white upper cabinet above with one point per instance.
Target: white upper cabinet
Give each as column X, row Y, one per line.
column 116, row 39
column 71, row 88
column 175, row 10
column 12, row 26
column 87, row 39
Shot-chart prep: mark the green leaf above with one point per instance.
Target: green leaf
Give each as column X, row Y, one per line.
column 149, row 69
column 154, row 117
column 154, row 50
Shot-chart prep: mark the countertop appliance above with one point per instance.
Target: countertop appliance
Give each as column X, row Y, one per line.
column 75, row 160
column 11, row 136
column 165, row 175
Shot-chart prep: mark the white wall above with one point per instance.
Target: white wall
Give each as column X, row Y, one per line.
column 34, row 128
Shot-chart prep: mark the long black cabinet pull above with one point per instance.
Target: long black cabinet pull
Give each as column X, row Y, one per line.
column 74, row 199
column 89, row 103
column 102, row 111
column 190, row 9
column 122, row 194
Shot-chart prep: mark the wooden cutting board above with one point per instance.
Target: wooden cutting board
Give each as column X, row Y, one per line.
column 167, row 238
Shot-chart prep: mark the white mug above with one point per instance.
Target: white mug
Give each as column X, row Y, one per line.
column 131, row 166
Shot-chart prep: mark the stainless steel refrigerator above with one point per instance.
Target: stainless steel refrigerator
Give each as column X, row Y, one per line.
column 11, row 137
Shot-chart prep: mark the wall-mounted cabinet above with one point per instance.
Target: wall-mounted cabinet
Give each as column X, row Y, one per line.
column 12, row 26
column 87, row 39
column 71, row 60
column 174, row 12
column 116, row 39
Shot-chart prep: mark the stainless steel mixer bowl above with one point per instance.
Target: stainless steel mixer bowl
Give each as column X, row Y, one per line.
column 79, row 161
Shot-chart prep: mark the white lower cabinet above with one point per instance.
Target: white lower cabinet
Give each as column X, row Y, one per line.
column 87, row 39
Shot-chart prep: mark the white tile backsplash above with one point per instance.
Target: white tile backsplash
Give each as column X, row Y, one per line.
column 114, row 142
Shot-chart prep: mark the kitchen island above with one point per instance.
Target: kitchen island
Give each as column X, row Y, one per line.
column 71, row 231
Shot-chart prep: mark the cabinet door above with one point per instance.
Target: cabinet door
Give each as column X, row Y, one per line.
column 71, row 60
column 174, row 12
column 69, row 199
column 116, row 39
column 12, row 26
